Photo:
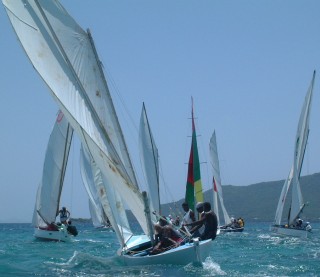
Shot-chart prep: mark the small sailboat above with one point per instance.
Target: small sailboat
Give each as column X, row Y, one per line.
column 294, row 226
column 49, row 190
column 230, row 225
column 89, row 177
column 65, row 57
column 185, row 253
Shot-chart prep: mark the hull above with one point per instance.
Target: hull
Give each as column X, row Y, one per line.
column 192, row 252
column 59, row 235
column 231, row 230
column 293, row 232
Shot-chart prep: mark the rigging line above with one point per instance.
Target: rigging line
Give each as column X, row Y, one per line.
column 121, row 98
column 72, row 179
column 34, row 28
column 112, row 105
column 135, row 130
column 118, row 162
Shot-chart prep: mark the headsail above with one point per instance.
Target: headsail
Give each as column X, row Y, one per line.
column 111, row 202
column 217, row 188
column 194, row 186
column 297, row 203
column 54, row 168
column 150, row 161
column 64, row 56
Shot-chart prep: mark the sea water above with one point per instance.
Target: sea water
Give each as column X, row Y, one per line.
column 255, row 252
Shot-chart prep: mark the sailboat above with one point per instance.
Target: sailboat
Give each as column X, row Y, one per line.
column 229, row 224
column 50, row 187
column 65, row 57
column 150, row 161
column 294, row 225
column 89, row 177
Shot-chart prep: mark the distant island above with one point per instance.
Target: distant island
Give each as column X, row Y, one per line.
column 258, row 202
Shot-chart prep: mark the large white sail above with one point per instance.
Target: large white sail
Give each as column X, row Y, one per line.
column 96, row 215
column 54, row 167
column 112, row 205
column 64, row 56
column 149, row 156
column 217, row 189
column 297, row 203
column 95, row 208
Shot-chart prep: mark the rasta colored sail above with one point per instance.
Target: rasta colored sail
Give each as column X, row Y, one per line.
column 194, row 185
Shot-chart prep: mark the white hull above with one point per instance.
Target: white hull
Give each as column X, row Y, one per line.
column 300, row 233
column 196, row 251
column 60, row 235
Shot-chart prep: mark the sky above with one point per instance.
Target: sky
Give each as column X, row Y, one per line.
column 247, row 65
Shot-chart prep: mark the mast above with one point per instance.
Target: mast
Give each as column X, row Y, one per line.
column 194, row 185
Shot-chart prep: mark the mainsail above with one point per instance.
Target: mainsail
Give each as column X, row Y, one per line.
column 150, row 161
column 297, row 203
column 54, row 168
column 217, row 188
column 65, row 57
column 194, row 185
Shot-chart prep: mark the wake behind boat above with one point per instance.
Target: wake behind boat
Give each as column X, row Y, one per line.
column 294, row 225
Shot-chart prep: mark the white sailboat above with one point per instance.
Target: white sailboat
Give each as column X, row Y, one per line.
column 150, row 161
column 229, row 225
column 66, row 59
column 294, row 226
column 98, row 216
column 49, row 190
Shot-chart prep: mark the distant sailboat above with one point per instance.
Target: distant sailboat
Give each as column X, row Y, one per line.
column 65, row 57
column 89, row 177
column 50, row 188
column 294, row 225
column 229, row 225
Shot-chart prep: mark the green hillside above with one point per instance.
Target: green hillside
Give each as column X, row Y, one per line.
column 259, row 201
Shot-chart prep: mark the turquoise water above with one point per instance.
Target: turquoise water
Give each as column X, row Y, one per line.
column 93, row 253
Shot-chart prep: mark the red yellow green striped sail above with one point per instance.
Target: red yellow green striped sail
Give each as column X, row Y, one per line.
column 194, row 185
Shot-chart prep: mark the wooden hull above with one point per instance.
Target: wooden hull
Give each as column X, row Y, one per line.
column 60, row 235
column 293, row 232
column 196, row 251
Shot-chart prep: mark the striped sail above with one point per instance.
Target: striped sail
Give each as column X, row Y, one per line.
column 194, row 191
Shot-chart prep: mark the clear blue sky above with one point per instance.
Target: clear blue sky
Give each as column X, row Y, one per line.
column 247, row 64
